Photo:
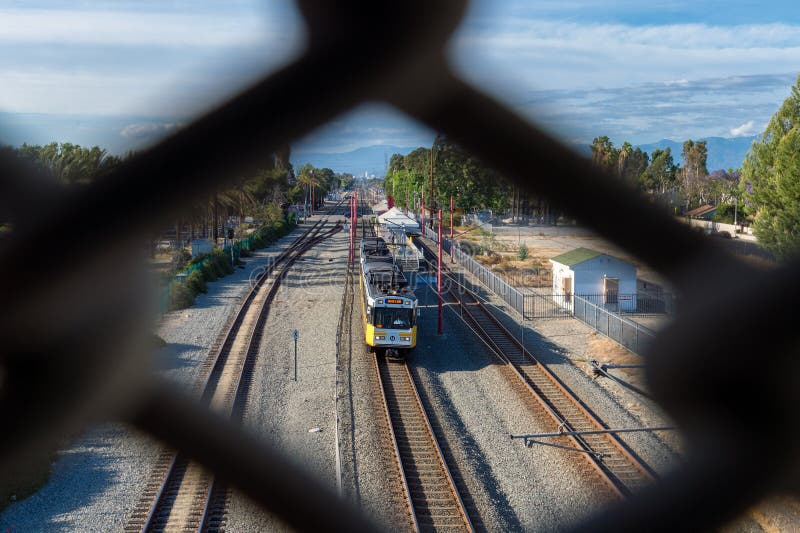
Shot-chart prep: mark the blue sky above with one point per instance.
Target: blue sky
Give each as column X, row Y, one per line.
column 122, row 74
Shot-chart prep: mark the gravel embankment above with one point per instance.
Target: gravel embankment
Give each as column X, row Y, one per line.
column 191, row 332
column 371, row 477
column 95, row 481
column 564, row 345
column 513, row 487
column 297, row 416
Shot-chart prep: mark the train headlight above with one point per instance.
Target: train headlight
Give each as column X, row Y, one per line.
column 380, row 337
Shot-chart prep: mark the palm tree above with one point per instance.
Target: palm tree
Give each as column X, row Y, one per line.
column 307, row 179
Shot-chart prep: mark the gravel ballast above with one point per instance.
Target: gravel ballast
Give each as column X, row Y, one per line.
column 513, row 487
column 564, row 345
column 297, row 416
column 96, row 480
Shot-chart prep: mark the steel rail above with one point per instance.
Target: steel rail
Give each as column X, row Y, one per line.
column 431, row 494
column 166, row 463
column 347, row 296
column 141, row 521
column 560, row 402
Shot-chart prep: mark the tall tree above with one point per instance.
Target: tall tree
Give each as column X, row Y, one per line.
column 660, row 174
column 771, row 178
column 694, row 171
column 604, row 155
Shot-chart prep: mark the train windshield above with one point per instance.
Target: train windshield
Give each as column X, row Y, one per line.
column 389, row 318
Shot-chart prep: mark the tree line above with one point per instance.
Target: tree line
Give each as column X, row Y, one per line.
column 264, row 195
column 475, row 186
column 658, row 175
column 765, row 191
column 457, row 173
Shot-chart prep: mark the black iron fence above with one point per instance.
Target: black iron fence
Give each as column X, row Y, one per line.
column 628, row 333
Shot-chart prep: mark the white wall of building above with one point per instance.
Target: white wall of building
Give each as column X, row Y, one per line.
column 588, row 279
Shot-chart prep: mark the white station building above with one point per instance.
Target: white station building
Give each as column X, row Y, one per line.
column 602, row 279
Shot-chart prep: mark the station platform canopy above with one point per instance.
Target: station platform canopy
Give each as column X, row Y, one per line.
column 395, row 219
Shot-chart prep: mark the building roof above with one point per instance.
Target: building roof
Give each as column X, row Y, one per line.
column 573, row 257
column 703, row 210
column 395, row 217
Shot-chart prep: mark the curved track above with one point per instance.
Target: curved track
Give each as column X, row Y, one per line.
column 178, row 494
column 618, row 466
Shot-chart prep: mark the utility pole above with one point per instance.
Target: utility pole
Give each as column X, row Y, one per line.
column 439, row 274
column 422, row 212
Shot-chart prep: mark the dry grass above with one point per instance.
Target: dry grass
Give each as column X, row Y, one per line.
column 604, row 350
column 607, row 351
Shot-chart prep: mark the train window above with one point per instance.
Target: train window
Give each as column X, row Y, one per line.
column 393, row 318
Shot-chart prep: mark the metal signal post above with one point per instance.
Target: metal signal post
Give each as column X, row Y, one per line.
column 439, row 274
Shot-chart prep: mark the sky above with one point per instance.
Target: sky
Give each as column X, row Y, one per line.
column 122, row 74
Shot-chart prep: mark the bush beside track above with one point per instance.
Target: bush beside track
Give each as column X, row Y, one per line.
column 217, row 264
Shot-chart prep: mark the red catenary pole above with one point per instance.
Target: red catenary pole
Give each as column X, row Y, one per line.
column 452, row 242
column 350, row 257
column 352, row 228
column 439, row 274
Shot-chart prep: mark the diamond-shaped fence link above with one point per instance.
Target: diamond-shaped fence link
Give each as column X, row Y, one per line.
column 725, row 370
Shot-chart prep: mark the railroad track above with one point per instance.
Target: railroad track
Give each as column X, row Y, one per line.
column 432, row 499
column 180, row 495
column 618, row 466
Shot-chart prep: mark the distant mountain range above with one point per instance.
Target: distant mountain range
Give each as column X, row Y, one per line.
column 723, row 153
column 369, row 159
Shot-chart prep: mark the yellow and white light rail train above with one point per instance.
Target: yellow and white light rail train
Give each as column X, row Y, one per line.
column 389, row 306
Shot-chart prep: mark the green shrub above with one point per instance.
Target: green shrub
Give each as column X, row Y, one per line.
column 209, row 272
column 196, row 283
column 222, row 261
column 180, row 296
column 523, row 252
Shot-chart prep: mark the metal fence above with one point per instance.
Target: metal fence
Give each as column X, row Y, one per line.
column 599, row 311
column 628, row 333
column 64, row 365
column 640, row 303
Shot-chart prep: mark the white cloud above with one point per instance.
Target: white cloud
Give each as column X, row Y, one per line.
column 145, row 130
column 551, row 54
column 130, row 28
column 746, row 129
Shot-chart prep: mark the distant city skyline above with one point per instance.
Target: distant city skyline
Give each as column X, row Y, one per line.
column 117, row 74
